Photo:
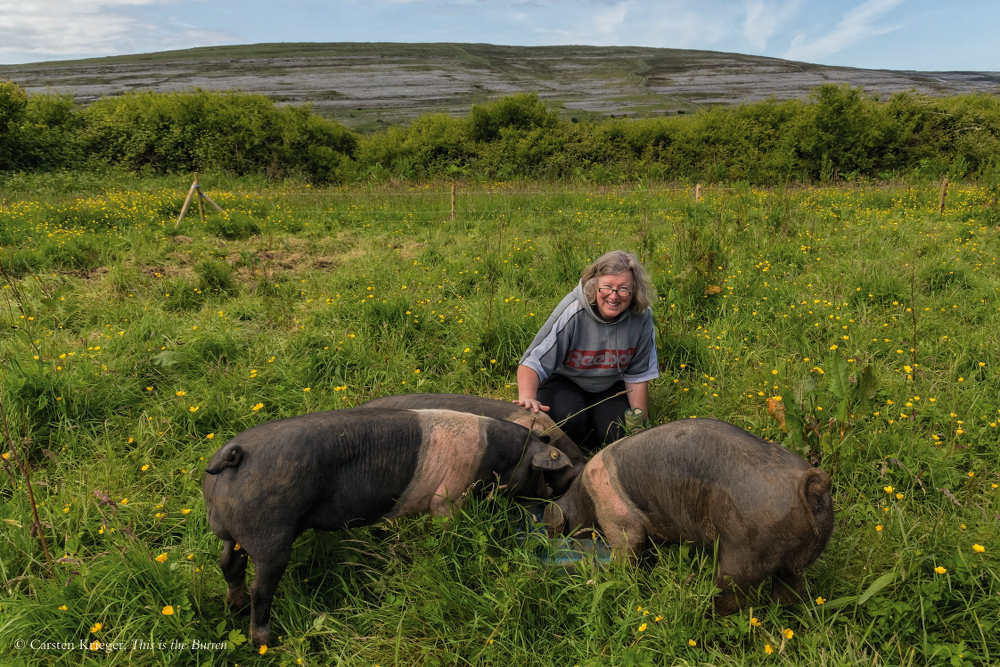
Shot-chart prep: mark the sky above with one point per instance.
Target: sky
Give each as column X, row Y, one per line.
column 928, row 35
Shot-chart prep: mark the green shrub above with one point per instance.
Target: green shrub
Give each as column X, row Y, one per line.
column 233, row 132
column 233, row 226
column 13, row 102
column 517, row 112
column 215, row 277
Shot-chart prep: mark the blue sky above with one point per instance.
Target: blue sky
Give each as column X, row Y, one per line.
column 891, row 34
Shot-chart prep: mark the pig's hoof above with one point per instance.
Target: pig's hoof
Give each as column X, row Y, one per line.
column 261, row 635
column 725, row 604
column 785, row 594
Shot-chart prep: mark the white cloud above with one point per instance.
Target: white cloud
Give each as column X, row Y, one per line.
column 679, row 24
column 763, row 19
column 607, row 23
column 80, row 28
column 859, row 24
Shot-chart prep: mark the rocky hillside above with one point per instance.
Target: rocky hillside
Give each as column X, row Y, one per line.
column 367, row 85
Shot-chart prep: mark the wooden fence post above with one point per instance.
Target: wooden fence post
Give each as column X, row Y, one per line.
column 187, row 200
column 944, row 193
column 196, row 188
column 697, row 192
column 453, row 200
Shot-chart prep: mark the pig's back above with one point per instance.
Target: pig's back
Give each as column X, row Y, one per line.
column 343, row 467
column 695, row 475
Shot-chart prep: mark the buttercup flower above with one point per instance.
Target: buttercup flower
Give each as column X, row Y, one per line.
column 168, row 610
column 940, row 570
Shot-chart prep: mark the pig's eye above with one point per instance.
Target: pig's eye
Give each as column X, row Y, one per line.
column 544, row 437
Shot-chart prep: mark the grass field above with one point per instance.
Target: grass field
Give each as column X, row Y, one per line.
column 860, row 317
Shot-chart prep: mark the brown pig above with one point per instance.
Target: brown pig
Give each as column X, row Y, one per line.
column 343, row 468
column 706, row 481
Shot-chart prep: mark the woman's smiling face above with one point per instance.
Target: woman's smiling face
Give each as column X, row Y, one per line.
column 614, row 294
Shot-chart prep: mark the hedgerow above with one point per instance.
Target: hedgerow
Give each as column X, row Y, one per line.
column 839, row 133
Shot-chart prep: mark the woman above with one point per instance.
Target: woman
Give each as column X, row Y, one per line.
column 595, row 354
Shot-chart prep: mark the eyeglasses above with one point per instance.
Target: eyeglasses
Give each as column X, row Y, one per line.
column 623, row 292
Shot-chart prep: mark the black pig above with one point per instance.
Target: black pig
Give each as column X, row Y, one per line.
column 538, row 422
column 702, row 480
column 343, row 468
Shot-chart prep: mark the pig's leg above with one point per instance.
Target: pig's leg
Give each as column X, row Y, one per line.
column 615, row 514
column 622, row 528
column 442, row 503
column 732, row 578
column 787, row 586
column 268, row 572
column 233, row 563
column 627, row 538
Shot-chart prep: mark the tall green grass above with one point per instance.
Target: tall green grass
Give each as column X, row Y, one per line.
column 867, row 316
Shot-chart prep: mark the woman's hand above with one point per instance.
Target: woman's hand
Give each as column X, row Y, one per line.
column 532, row 404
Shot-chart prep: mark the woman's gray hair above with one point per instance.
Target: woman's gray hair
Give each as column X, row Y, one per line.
column 619, row 261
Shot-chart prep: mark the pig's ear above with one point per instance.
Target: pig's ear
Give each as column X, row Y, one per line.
column 550, row 458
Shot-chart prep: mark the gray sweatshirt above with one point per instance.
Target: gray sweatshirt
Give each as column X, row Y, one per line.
column 578, row 344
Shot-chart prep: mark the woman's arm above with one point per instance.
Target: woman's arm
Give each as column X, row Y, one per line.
column 638, row 395
column 527, row 390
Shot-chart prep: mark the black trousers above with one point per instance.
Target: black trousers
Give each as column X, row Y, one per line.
column 591, row 427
